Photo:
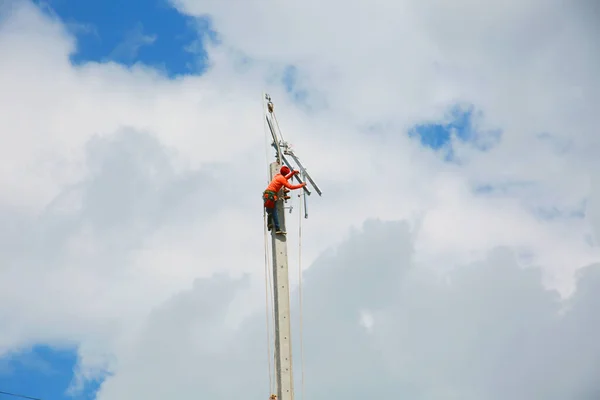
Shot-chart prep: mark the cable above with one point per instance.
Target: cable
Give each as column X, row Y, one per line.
column 19, row 395
column 277, row 124
column 300, row 291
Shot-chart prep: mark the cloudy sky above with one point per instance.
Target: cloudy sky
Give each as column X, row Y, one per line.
column 455, row 253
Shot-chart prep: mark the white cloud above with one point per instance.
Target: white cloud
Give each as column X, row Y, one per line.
column 490, row 330
column 120, row 187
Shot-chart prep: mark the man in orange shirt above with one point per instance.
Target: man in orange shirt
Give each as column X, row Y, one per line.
column 270, row 195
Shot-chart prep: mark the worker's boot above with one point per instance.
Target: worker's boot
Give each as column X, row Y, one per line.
column 280, row 232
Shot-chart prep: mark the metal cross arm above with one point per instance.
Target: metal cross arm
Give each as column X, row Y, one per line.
column 304, row 172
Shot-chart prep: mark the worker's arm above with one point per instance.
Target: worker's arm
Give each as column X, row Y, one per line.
column 297, row 186
column 288, row 176
column 289, row 185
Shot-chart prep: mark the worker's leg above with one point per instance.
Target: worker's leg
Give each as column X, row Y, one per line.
column 269, row 219
column 276, row 222
column 272, row 212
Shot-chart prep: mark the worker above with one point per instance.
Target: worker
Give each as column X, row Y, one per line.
column 270, row 195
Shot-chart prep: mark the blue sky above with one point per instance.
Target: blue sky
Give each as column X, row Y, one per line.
column 41, row 372
column 146, row 31
column 437, row 136
column 458, row 124
column 153, row 33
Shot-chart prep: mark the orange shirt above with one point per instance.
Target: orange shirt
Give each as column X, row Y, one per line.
column 279, row 181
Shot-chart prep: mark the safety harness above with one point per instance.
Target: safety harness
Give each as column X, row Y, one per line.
column 269, row 198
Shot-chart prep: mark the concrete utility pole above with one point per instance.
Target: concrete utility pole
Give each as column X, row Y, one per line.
column 281, row 283
column 281, row 294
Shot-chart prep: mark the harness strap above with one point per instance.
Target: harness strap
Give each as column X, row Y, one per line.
column 270, row 195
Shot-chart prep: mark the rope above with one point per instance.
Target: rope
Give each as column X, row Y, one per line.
column 267, row 303
column 300, row 291
column 267, row 145
column 268, row 295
